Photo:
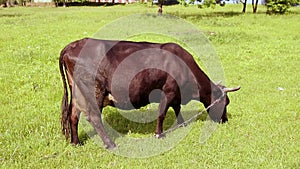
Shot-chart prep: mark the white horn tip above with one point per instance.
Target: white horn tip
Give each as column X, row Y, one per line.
column 232, row 89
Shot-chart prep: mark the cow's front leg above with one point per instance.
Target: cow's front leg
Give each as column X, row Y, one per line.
column 224, row 117
column 179, row 117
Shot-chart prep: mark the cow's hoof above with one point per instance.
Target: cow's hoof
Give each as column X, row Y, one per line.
column 77, row 144
column 160, row 135
column 225, row 120
column 111, row 146
column 182, row 124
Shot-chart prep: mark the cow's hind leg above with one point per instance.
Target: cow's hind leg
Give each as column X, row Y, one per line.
column 73, row 120
column 163, row 108
column 95, row 119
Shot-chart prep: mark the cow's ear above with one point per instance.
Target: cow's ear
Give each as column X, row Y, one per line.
column 231, row 89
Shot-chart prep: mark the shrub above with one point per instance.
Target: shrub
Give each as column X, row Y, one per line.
column 279, row 6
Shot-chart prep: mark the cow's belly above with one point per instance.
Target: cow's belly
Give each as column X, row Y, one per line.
column 146, row 87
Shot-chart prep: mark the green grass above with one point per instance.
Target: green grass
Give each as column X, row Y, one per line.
column 258, row 52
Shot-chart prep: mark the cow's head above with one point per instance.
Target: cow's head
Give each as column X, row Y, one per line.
column 220, row 100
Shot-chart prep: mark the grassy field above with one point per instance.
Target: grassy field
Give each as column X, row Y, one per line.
column 258, row 52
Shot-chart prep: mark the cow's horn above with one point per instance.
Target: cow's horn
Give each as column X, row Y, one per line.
column 231, row 89
column 219, row 82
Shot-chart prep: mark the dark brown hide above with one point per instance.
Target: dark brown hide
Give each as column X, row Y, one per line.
column 123, row 74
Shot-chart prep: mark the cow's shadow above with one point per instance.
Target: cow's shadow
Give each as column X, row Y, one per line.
column 138, row 123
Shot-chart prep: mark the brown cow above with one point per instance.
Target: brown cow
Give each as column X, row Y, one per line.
column 124, row 74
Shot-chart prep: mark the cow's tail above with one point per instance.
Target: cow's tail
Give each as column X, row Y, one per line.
column 65, row 112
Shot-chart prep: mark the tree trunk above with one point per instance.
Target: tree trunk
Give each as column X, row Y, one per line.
column 160, row 4
column 8, row 3
column 244, row 6
column 254, row 6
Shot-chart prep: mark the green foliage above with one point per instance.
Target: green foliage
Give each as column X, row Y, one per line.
column 263, row 128
column 183, row 3
column 208, row 4
column 279, row 6
column 211, row 4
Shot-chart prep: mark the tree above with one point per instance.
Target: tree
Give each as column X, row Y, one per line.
column 254, row 5
column 160, row 4
column 244, row 2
